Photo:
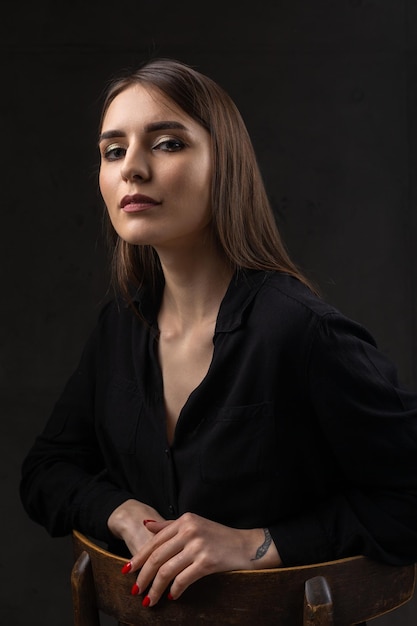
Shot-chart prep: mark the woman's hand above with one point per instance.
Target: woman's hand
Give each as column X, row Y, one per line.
column 126, row 523
column 186, row 549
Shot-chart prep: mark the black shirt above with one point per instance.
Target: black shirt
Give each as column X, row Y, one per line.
column 300, row 425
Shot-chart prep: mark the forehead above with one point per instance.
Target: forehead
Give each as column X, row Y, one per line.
column 143, row 104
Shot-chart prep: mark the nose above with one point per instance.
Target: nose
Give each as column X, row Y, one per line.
column 135, row 165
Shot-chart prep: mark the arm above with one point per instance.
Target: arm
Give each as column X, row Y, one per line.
column 65, row 483
column 369, row 425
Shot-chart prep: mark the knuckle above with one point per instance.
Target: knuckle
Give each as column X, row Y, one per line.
column 154, row 559
column 189, row 525
column 207, row 561
column 165, row 572
column 178, row 586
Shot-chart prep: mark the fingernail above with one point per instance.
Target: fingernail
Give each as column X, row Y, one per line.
column 146, row 601
column 135, row 590
column 170, row 596
column 145, row 521
column 126, row 568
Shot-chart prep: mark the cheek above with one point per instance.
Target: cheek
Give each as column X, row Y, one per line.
column 105, row 186
column 204, row 173
column 196, row 181
column 101, row 181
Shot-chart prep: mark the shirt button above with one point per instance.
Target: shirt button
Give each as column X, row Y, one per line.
column 171, row 508
column 167, row 453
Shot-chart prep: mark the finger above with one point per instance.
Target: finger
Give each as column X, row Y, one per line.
column 166, row 574
column 155, row 540
column 157, row 561
column 187, row 577
column 154, row 526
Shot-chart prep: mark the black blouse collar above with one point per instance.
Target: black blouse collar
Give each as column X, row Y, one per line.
column 242, row 288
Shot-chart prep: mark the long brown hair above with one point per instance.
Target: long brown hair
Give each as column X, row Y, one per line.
column 243, row 221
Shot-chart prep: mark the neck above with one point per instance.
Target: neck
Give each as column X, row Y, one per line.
column 195, row 285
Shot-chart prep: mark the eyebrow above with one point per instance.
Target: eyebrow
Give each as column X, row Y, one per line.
column 149, row 128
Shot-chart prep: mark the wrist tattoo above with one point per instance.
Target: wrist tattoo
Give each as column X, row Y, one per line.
column 264, row 547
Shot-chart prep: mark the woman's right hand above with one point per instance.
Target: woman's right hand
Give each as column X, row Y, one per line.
column 126, row 523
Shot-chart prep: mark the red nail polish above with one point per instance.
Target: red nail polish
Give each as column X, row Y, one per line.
column 135, row 590
column 170, row 596
column 145, row 521
column 126, row 568
column 146, row 601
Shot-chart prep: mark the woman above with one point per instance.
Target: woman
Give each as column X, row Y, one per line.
column 222, row 415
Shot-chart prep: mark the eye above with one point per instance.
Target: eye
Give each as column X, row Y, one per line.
column 169, row 145
column 113, row 152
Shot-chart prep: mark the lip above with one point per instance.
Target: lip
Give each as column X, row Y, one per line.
column 137, row 202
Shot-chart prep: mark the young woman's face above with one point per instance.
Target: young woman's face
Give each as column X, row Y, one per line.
column 155, row 172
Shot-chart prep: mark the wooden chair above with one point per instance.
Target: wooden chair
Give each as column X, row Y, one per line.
column 337, row 593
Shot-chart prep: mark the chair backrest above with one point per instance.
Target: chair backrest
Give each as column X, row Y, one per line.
column 336, row 593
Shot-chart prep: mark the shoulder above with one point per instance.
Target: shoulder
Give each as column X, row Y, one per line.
column 113, row 310
column 118, row 316
column 288, row 295
column 284, row 303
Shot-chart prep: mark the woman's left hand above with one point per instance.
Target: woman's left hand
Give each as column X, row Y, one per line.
column 186, row 549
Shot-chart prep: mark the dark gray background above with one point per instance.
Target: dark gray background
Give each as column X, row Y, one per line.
column 328, row 89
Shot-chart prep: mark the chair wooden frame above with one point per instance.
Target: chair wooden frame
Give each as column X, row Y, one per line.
column 337, row 593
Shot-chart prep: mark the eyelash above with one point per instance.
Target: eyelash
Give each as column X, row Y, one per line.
column 179, row 145
column 109, row 153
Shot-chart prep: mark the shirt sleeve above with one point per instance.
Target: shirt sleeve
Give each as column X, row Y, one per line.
column 64, row 483
column 369, row 424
